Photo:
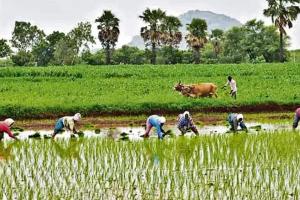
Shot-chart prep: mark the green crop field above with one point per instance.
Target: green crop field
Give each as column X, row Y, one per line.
column 52, row 91
column 232, row 166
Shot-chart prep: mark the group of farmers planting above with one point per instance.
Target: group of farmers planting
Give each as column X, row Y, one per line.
column 185, row 122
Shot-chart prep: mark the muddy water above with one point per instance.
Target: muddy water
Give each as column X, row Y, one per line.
column 133, row 133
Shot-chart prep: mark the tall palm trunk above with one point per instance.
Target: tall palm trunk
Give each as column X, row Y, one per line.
column 197, row 55
column 108, row 55
column 153, row 56
column 281, row 52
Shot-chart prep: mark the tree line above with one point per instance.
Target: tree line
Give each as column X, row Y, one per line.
column 251, row 42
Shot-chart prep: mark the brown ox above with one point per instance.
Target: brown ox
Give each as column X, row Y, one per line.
column 197, row 90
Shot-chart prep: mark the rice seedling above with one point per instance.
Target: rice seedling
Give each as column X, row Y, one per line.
column 232, row 166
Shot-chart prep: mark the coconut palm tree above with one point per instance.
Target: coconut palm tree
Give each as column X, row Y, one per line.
column 171, row 36
column 108, row 32
column 196, row 38
column 283, row 13
column 216, row 37
column 151, row 33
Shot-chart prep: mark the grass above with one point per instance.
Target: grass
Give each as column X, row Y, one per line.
column 53, row 91
column 240, row 166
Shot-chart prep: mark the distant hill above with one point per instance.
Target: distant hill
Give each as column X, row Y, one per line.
column 213, row 21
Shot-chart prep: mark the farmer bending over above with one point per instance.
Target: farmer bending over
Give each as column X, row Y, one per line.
column 186, row 123
column 235, row 120
column 5, row 128
column 233, row 86
column 157, row 122
column 296, row 118
column 68, row 123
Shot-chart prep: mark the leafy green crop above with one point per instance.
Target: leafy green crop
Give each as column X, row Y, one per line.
column 38, row 92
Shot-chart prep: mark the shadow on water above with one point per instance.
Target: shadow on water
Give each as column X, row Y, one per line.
column 67, row 149
column 159, row 152
column 5, row 151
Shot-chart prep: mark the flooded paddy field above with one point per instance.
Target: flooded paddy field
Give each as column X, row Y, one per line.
column 115, row 163
column 133, row 132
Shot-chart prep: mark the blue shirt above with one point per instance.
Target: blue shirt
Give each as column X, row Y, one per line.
column 184, row 122
column 154, row 121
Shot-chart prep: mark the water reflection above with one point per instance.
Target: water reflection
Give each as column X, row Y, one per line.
column 67, row 149
column 5, row 151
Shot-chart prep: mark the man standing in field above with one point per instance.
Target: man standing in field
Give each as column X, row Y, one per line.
column 68, row 122
column 233, row 86
column 157, row 122
column 5, row 128
column 235, row 120
column 186, row 123
column 296, row 118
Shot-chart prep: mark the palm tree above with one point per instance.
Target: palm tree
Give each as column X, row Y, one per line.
column 151, row 33
column 108, row 32
column 196, row 38
column 216, row 37
column 282, row 12
column 171, row 36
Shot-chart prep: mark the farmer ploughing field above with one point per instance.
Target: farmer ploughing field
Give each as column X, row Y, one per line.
column 233, row 87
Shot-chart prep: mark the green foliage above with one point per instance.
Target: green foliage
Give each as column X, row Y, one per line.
column 66, row 48
column 81, row 35
column 66, row 52
column 198, row 28
column 171, row 55
column 5, row 49
column 151, row 33
column 282, row 13
column 97, row 58
column 232, row 44
column 187, row 57
column 253, row 42
column 171, row 36
column 54, row 38
column 32, row 92
column 216, row 37
column 196, row 38
column 43, row 53
column 6, row 63
column 129, row 55
column 25, row 36
column 108, row 26
column 22, row 58
column 295, row 56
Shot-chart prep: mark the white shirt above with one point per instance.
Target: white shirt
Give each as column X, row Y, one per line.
column 232, row 84
column 69, row 123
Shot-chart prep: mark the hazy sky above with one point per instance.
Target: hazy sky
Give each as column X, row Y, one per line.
column 63, row 15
